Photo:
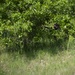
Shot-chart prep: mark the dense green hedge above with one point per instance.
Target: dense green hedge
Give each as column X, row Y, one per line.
column 24, row 23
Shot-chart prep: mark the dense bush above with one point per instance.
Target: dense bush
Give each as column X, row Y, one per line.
column 24, row 23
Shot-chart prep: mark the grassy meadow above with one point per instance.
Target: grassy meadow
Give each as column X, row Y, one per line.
column 42, row 62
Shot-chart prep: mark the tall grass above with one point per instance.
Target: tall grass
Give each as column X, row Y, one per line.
column 41, row 62
column 45, row 63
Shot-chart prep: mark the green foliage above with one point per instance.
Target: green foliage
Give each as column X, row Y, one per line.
column 26, row 22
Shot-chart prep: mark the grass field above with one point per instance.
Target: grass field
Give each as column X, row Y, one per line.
column 44, row 63
column 41, row 63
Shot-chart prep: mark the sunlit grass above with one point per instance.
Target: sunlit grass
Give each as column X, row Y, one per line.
column 45, row 63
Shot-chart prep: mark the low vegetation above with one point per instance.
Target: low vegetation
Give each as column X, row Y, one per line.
column 41, row 62
column 44, row 63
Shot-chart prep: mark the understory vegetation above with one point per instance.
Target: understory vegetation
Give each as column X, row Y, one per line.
column 42, row 62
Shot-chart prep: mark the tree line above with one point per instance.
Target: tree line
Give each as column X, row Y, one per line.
column 34, row 23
